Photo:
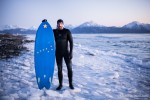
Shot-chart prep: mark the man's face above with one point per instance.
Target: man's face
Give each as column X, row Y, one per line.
column 60, row 25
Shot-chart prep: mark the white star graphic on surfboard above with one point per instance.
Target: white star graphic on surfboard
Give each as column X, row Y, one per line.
column 45, row 26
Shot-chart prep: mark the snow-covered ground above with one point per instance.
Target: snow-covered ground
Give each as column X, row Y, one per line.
column 105, row 66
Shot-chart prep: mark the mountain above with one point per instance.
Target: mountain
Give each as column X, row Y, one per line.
column 17, row 30
column 133, row 25
column 32, row 28
column 88, row 27
column 91, row 27
column 7, row 27
column 90, row 24
column 137, row 27
column 147, row 26
column 69, row 26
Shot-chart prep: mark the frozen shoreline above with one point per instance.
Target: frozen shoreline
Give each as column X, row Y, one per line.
column 106, row 67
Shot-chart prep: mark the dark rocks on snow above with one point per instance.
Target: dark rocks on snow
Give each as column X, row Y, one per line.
column 12, row 45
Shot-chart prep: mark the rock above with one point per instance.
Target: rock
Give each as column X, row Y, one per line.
column 28, row 41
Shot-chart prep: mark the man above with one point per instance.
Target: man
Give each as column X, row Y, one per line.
column 62, row 37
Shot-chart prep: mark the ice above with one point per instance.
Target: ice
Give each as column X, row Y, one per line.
column 116, row 75
column 14, row 95
column 105, row 67
column 35, row 97
column 6, row 98
column 79, row 98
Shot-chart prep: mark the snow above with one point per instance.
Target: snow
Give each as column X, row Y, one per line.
column 69, row 26
column 105, row 67
column 33, row 28
column 7, row 27
column 90, row 24
column 137, row 25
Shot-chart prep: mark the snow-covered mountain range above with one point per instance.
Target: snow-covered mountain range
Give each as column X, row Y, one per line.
column 90, row 24
column 9, row 27
column 91, row 27
column 87, row 27
column 17, row 29
column 69, row 26
column 137, row 25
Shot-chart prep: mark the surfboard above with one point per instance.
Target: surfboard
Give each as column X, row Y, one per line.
column 44, row 55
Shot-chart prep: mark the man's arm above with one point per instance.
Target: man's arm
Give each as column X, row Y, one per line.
column 70, row 39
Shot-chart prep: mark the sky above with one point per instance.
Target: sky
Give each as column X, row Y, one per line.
column 27, row 13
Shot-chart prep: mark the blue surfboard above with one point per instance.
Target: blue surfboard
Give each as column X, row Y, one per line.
column 44, row 55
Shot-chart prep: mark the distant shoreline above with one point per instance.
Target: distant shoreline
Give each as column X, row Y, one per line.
column 72, row 33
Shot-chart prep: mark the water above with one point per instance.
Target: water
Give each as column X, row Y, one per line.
column 106, row 67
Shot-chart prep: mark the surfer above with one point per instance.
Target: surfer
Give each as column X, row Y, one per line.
column 62, row 37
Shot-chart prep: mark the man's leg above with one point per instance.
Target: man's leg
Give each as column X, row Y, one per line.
column 60, row 74
column 70, row 72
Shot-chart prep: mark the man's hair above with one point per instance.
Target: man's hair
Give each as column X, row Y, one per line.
column 60, row 21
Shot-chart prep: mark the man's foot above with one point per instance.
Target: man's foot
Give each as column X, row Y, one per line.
column 71, row 86
column 59, row 87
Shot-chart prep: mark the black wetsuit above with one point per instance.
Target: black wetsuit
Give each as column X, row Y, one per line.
column 62, row 37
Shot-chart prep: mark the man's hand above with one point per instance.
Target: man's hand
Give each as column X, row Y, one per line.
column 44, row 20
column 70, row 56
